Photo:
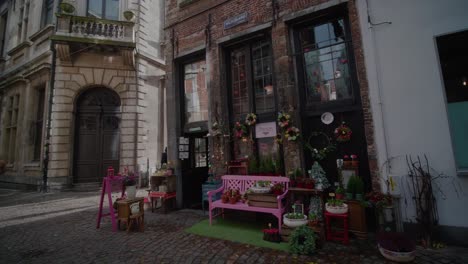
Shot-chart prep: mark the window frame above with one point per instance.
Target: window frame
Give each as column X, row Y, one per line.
column 44, row 18
column 311, row 108
column 103, row 5
column 3, row 41
column 39, row 124
column 12, row 113
column 247, row 44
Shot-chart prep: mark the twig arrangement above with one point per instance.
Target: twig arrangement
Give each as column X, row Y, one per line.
column 426, row 207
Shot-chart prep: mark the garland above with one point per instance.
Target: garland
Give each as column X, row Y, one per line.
column 251, row 119
column 302, row 241
column 320, row 153
column 292, row 134
column 240, row 131
column 284, row 120
column 343, row 133
column 289, row 132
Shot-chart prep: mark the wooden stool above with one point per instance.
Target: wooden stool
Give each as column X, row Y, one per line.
column 337, row 235
column 132, row 213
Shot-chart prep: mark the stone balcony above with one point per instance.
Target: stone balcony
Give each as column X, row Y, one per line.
column 74, row 32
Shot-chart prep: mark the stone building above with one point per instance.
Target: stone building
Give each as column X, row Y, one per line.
column 302, row 57
column 81, row 89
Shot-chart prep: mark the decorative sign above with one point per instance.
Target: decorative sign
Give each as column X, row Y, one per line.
column 183, row 148
column 264, row 130
column 235, row 21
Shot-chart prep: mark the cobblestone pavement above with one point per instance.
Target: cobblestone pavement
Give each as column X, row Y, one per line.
column 61, row 228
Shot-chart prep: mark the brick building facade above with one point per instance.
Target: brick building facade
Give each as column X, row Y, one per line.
column 217, row 31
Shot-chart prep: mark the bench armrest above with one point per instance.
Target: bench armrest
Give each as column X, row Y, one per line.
column 213, row 192
column 280, row 198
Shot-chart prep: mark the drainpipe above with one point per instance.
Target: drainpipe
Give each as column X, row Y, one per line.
column 387, row 162
column 45, row 162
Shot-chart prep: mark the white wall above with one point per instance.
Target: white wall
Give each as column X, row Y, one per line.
column 401, row 59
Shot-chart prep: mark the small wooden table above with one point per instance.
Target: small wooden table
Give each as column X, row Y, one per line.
column 131, row 211
column 164, row 196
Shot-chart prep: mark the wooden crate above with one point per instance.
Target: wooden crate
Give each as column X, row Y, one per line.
column 262, row 200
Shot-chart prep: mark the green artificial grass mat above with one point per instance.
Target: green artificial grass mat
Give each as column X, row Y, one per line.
column 237, row 231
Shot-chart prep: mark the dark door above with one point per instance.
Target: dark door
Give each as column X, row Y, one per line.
column 195, row 171
column 97, row 135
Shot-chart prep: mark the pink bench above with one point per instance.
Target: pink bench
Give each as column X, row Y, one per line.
column 243, row 183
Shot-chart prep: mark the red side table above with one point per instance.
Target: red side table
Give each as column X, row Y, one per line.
column 164, row 196
column 337, row 235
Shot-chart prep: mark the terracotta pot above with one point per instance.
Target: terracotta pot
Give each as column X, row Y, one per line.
column 224, row 199
column 233, row 200
column 309, row 185
column 347, row 163
column 300, row 185
column 354, row 163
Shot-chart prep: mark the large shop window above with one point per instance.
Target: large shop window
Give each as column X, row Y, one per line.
column 454, row 63
column 325, row 61
column 106, row 9
column 196, row 93
column 11, row 124
column 252, row 91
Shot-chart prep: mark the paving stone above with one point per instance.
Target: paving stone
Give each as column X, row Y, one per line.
column 61, row 228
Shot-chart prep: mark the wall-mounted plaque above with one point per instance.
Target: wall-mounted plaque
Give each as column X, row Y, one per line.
column 236, row 20
column 264, row 130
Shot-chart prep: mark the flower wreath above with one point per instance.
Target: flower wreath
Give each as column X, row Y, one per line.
column 279, row 139
column 251, row 119
column 343, row 133
column 284, row 120
column 320, row 154
column 302, row 241
column 240, row 130
column 292, row 133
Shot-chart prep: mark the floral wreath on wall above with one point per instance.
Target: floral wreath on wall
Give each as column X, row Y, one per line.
column 251, row 119
column 320, row 153
column 240, row 131
column 343, row 133
column 289, row 132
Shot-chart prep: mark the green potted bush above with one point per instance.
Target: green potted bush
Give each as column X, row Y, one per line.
column 340, row 193
column 302, row 241
column 359, row 188
column 351, row 188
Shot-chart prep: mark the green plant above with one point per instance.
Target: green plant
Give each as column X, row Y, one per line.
column 263, row 183
column 340, row 190
column 302, row 241
column 253, row 165
column 335, row 202
column 294, row 216
column 312, row 216
column 359, row 185
column 278, row 165
column 351, row 187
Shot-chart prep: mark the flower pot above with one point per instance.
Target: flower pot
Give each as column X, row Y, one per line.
column 131, row 192
column 347, row 163
column 300, row 185
column 349, row 196
column 336, row 209
column 339, row 196
column 359, row 196
column 294, row 222
column 255, row 189
column 224, row 199
column 354, row 163
column 387, row 213
column 397, row 256
column 233, row 200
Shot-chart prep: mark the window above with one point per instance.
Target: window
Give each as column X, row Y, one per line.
column 38, row 125
column 201, row 149
column 22, row 33
column 11, row 123
column 107, row 9
column 47, row 12
column 453, row 57
column 252, row 91
column 325, row 61
column 196, row 93
column 3, row 24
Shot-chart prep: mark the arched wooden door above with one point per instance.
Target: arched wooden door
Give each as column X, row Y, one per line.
column 97, row 134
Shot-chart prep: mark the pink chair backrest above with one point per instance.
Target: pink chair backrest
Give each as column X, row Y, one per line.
column 245, row 182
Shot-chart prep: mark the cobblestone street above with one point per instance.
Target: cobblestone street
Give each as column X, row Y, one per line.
column 60, row 228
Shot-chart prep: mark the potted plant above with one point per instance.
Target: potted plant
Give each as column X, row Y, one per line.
column 130, row 186
column 67, row 6
column 128, row 15
column 351, row 188
column 359, row 188
column 383, row 203
column 396, row 247
column 354, row 161
column 294, row 219
column 340, row 193
column 309, row 183
column 302, row 241
column 313, row 219
column 335, row 206
column 277, row 189
column 346, row 161
column 261, row 187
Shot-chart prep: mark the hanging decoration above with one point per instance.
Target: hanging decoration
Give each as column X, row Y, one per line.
column 343, row 133
column 320, row 153
column 292, row 133
column 284, row 120
column 251, row 119
column 240, row 131
column 279, row 139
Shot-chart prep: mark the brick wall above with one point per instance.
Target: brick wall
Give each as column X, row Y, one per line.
column 188, row 27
